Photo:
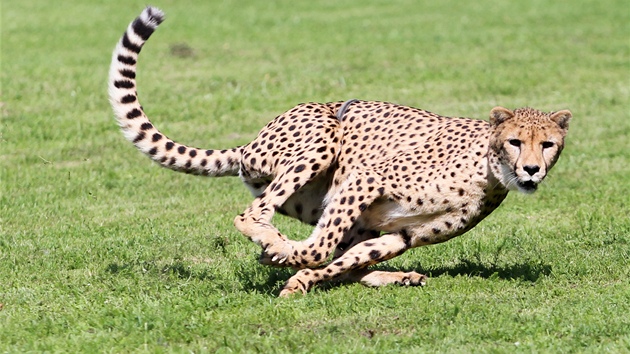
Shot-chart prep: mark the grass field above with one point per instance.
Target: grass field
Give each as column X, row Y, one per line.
column 103, row 251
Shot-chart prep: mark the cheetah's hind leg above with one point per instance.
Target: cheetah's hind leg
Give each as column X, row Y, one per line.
column 298, row 161
column 255, row 222
column 337, row 219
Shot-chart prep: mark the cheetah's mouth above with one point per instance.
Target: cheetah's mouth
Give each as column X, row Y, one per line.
column 527, row 186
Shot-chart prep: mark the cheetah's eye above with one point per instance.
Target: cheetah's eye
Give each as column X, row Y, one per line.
column 514, row 142
column 547, row 144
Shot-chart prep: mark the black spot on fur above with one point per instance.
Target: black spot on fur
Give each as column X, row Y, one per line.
column 375, row 254
column 130, row 74
column 128, row 99
column 142, row 29
column 124, row 84
column 126, row 60
column 134, row 113
column 146, row 126
column 127, row 44
column 139, row 137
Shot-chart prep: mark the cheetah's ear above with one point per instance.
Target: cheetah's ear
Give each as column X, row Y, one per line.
column 562, row 118
column 499, row 115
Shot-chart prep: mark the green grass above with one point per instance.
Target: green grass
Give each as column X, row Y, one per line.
column 103, row 251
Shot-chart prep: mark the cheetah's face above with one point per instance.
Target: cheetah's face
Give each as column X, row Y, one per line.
column 526, row 144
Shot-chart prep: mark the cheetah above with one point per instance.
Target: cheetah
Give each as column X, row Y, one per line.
column 374, row 178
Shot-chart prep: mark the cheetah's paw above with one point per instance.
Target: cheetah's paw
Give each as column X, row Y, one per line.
column 277, row 254
column 414, row 279
column 294, row 286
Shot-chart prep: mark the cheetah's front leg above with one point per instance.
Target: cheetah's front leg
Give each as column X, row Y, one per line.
column 358, row 257
column 377, row 278
column 368, row 277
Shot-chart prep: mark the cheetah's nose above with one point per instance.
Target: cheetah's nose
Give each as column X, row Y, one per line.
column 531, row 169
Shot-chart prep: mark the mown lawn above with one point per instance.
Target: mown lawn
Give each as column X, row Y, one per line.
column 103, row 251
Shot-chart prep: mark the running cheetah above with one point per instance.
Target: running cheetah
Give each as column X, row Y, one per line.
column 374, row 178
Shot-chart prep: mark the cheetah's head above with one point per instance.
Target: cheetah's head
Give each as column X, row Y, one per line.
column 525, row 144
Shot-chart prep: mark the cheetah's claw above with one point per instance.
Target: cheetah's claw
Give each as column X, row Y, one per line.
column 277, row 254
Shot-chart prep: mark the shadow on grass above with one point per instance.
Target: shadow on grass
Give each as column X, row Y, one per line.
column 519, row 271
column 273, row 280
column 528, row 272
column 177, row 269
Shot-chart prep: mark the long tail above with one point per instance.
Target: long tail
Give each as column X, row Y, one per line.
column 136, row 125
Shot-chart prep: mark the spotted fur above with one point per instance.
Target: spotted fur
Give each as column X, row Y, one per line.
column 374, row 178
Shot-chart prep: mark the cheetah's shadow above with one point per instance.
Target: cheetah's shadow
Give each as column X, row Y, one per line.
column 526, row 272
